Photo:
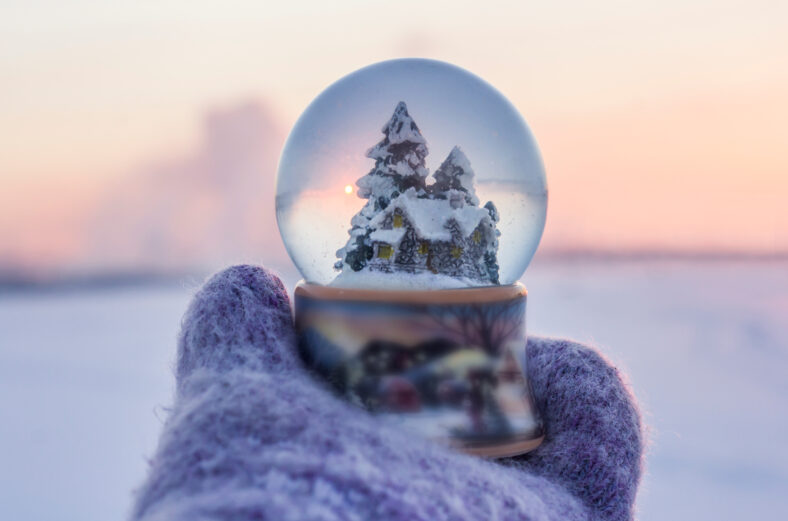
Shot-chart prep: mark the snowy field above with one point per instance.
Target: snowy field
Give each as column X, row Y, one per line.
column 85, row 379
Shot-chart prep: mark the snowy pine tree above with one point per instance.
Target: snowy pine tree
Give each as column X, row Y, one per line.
column 406, row 253
column 491, row 252
column 399, row 165
column 455, row 174
column 454, row 181
column 399, row 157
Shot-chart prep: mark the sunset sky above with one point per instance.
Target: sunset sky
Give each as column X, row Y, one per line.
column 662, row 125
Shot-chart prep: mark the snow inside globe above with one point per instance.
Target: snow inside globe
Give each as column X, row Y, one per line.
column 411, row 174
column 411, row 196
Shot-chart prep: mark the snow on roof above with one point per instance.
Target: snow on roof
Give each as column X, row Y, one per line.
column 430, row 216
column 388, row 236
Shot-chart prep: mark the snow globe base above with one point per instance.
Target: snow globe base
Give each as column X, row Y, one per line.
column 447, row 364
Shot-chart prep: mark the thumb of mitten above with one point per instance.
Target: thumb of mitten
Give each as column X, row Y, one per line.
column 593, row 435
column 239, row 320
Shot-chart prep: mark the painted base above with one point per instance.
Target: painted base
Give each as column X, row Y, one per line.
column 446, row 364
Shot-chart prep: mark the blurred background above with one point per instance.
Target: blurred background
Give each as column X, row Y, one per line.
column 139, row 150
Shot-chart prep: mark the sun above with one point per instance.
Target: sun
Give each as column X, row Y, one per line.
column 348, row 189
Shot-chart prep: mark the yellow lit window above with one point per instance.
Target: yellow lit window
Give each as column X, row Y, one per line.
column 397, row 220
column 385, row 251
column 456, row 252
column 424, row 248
column 477, row 236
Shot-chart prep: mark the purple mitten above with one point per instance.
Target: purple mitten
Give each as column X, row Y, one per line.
column 252, row 436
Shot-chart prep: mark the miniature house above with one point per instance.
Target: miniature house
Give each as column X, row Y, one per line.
column 444, row 236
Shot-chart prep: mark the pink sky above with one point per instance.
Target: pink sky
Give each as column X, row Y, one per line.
column 662, row 125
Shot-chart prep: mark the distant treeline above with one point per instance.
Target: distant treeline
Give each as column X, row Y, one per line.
column 581, row 255
column 21, row 282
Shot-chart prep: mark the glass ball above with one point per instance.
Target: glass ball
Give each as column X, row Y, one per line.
column 411, row 174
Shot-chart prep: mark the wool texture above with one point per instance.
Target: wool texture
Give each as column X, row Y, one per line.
column 252, row 436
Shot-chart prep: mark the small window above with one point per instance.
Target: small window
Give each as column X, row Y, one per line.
column 385, row 251
column 477, row 236
column 424, row 248
column 397, row 220
column 456, row 252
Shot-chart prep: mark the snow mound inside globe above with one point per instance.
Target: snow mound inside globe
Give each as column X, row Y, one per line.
column 449, row 193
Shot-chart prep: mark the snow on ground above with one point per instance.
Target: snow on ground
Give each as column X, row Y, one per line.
column 366, row 279
column 706, row 350
column 85, row 378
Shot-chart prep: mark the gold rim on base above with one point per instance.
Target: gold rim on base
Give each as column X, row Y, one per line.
column 426, row 296
column 500, row 450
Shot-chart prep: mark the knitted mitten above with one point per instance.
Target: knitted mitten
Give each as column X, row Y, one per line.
column 252, row 436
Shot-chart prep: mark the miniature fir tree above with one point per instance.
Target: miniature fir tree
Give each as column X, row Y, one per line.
column 399, row 165
column 407, row 251
column 399, row 158
column 455, row 174
column 491, row 251
column 454, row 181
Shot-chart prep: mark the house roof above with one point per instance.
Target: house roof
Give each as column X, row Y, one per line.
column 388, row 236
column 430, row 216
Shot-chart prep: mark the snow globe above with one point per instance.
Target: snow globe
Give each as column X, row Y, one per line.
column 410, row 305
